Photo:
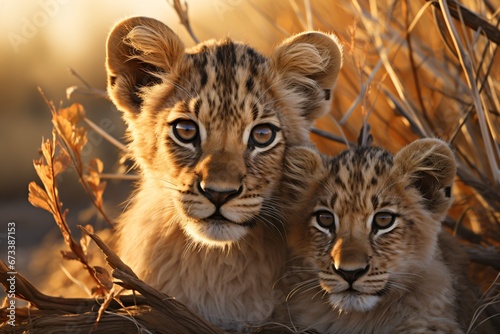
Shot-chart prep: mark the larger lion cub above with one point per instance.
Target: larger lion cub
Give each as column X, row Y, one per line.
column 208, row 128
column 367, row 254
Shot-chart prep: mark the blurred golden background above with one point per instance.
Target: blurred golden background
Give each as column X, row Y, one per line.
column 40, row 41
column 404, row 74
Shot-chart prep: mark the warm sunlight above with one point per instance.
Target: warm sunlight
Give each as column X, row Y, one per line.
column 211, row 170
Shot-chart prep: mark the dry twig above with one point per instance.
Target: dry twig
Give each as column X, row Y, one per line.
column 471, row 19
column 182, row 12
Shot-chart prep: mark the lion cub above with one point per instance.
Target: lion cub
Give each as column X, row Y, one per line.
column 367, row 254
column 209, row 127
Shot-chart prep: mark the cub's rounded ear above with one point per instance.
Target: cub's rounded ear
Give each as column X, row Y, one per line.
column 139, row 52
column 431, row 168
column 303, row 169
column 309, row 64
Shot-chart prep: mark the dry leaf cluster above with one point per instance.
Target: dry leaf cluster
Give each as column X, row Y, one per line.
column 61, row 152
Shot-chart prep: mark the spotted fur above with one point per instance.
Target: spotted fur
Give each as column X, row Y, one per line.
column 362, row 274
column 204, row 224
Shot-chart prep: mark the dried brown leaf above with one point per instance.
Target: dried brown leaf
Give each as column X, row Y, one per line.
column 63, row 127
column 43, row 166
column 67, row 119
column 47, row 150
column 104, row 277
column 95, row 165
column 61, row 162
column 69, row 256
column 99, row 191
column 38, row 197
column 95, row 168
column 74, row 137
column 44, row 172
column 80, row 139
column 74, row 113
column 85, row 239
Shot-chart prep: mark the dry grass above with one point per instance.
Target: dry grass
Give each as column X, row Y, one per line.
column 411, row 69
column 416, row 69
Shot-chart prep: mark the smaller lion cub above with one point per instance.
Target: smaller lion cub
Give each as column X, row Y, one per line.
column 367, row 255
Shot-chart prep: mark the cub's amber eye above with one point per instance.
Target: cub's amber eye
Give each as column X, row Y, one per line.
column 325, row 219
column 185, row 130
column 263, row 135
column 383, row 220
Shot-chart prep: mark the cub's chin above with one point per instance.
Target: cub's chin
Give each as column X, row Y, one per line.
column 216, row 232
column 352, row 301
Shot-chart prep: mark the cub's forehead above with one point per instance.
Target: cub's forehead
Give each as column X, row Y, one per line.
column 357, row 170
column 222, row 82
column 225, row 64
column 366, row 160
column 225, row 52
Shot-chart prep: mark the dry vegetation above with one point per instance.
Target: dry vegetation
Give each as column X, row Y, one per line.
column 411, row 69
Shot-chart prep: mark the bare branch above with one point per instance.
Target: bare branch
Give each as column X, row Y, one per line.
column 182, row 12
column 471, row 19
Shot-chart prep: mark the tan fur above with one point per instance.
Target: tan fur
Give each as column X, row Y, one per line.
column 179, row 233
column 406, row 280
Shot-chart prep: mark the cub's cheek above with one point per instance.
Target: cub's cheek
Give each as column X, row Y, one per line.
column 242, row 210
column 198, row 211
